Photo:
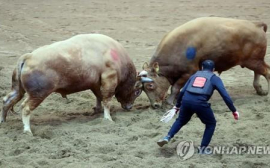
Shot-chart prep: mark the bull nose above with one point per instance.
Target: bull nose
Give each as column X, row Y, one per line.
column 156, row 105
column 128, row 107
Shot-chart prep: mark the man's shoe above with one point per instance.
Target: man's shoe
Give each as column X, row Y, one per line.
column 163, row 141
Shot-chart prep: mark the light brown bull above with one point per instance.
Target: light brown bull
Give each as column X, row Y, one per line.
column 228, row 42
column 90, row 61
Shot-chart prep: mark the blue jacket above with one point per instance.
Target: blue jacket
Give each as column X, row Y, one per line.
column 200, row 98
column 200, row 83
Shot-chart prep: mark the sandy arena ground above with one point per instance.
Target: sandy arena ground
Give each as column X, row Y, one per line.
column 66, row 135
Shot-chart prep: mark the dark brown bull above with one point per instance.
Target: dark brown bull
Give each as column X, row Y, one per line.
column 83, row 62
column 228, row 42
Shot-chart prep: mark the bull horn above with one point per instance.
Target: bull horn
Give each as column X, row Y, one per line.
column 143, row 73
column 146, row 80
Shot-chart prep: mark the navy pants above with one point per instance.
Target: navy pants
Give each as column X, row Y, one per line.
column 204, row 112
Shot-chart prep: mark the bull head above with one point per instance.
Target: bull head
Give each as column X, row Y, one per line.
column 154, row 85
column 141, row 79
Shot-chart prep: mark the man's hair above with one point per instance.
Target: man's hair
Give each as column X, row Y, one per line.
column 208, row 65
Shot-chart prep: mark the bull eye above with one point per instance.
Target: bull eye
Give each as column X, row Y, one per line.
column 137, row 92
column 150, row 86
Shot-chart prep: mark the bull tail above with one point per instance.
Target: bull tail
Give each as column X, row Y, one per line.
column 261, row 24
column 17, row 92
column 16, row 77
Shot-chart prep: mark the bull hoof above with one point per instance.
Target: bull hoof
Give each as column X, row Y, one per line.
column 262, row 93
column 167, row 105
column 2, row 120
column 97, row 110
column 68, row 101
column 28, row 132
column 108, row 119
column 168, row 102
column 14, row 112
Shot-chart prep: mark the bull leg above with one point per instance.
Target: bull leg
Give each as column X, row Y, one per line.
column 174, row 92
column 98, row 107
column 12, row 111
column 107, row 112
column 26, row 116
column 176, row 88
column 267, row 77
column 108, row 85
column 262, row 69
column 98, row 95
column 9, row 101
column 28, row 105
column 257, row 85
column 257, row 64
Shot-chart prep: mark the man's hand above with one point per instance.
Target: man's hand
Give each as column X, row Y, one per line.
column 176, row 109
column 236, row 115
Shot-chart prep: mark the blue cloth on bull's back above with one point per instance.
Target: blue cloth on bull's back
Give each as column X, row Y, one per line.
column 191, row 53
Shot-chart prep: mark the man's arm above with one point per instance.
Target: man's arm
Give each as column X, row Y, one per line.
column 217, row 82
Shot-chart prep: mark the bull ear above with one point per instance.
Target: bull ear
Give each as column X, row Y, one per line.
column 145, row 66
column 138, row 85
column 156, row 67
